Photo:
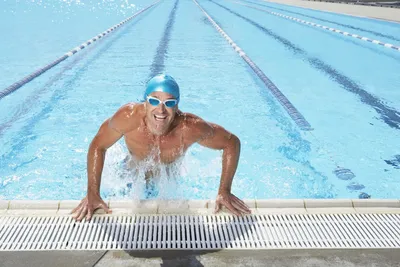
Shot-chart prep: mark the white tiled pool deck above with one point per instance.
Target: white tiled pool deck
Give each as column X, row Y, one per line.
column 385, row 13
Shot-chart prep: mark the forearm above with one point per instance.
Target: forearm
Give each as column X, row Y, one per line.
column 95, row 163
column 230, row 160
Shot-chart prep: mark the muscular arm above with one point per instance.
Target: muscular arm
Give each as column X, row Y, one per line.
column 109, row 133
column 216, row 137
column 104, row 139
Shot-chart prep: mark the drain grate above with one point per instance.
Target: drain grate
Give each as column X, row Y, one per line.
column 205, row 232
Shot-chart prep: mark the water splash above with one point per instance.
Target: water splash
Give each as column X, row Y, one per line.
column 124, row 177
column 194, row 176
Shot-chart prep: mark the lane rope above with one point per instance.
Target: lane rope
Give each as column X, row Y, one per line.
column 286, row 104
column 324, row 27
column 12, row 88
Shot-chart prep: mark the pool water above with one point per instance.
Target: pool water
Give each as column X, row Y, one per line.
column 346, row 88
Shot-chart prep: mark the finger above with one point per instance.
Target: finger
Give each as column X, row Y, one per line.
column 77, row 213
column 217, row 207
column 237, row 206
column 242, row 210
column 239, row 200
column 231, row 208
column 89, row 215
column 241, row 206
column 83, row 213
column 105, row 207
column 75, row 209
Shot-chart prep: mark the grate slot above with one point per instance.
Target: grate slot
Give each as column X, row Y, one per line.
column 385, row 229
column 330, row 230
column 200, row 232
column 22, row 233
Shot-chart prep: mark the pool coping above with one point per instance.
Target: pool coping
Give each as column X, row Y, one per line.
column 205, row 207
column 362, row 11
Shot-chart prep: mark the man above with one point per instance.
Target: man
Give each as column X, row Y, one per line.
column 158, row 125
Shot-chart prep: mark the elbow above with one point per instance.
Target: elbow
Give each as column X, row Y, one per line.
column 235, row 142
column 95, row 148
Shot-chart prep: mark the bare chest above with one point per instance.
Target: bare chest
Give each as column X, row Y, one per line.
column 165, row 149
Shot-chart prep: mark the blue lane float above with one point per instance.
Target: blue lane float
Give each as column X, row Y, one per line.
column 12, row 88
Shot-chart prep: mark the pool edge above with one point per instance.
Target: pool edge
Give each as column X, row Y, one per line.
column 257, row 206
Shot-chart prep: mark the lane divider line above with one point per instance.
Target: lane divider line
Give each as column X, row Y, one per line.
column 286, row 104
column 12, row 88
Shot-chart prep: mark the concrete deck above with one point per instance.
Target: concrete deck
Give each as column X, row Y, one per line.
column 383, row 13
column 51, row 258
column 270, row 258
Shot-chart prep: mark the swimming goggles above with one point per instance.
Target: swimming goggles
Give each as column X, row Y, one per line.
column 169, row 103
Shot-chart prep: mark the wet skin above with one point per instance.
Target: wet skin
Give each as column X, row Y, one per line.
column 171, row 132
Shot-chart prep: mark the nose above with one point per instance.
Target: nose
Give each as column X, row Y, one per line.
column 161, row 107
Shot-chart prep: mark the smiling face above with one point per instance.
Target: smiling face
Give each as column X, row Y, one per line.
column 159, row 118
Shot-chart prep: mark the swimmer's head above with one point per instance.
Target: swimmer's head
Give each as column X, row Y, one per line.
column 161, row 103
column 162, row 83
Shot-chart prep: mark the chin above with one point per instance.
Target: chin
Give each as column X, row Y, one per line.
column 159, row 130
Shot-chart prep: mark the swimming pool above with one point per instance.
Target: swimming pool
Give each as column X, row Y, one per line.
column 344, row 87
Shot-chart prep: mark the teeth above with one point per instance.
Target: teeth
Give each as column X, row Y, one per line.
column 158, row 117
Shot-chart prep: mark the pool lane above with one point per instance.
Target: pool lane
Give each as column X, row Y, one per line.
column 219, row 86
column 390, row 115
column 66, row 116
column 342, row 120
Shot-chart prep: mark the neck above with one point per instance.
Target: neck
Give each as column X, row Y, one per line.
column 152, row 130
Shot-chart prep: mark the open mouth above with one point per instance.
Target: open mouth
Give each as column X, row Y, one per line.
column 160, row 117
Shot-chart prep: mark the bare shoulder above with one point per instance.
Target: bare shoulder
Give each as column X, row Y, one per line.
column 127, row 117
column 206, row 133
column 194, row 122
column 196, row 127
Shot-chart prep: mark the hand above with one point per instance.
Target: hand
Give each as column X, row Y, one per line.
column 87, row 207
column 232, row 203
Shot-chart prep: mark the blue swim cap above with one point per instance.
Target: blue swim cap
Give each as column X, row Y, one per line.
column 162, row 83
